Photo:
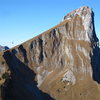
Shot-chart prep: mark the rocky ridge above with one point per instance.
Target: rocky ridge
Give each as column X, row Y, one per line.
column 61, row 62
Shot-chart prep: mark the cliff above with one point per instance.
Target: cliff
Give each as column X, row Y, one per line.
column 59, row 64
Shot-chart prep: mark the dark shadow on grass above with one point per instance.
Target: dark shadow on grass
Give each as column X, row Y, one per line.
column 21, row 85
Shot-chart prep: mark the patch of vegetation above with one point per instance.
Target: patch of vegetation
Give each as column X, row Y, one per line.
column 3, row 62
column 6, row 75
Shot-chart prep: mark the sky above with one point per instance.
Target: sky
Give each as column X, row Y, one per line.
column 21, row 20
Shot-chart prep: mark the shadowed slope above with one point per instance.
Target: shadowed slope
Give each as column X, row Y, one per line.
column 22, row 85
column 95, row 62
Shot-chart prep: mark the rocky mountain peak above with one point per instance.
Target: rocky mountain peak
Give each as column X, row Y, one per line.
column 62, row 63
column 82, row 11
column 86, row 16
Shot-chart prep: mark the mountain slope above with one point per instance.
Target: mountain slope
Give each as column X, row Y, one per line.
column 61, row 63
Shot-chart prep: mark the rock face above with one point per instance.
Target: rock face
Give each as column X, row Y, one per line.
column 60, row 64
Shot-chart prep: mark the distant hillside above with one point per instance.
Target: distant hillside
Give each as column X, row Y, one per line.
column 2, row 48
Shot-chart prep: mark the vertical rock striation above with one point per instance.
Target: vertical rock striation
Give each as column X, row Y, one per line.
column 62, row 63
column 87, row 17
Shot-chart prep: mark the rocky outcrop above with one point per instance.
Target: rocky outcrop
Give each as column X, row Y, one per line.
column 85, row 16
column 61, row 63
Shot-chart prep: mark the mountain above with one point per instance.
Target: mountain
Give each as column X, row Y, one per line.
column 62, row 63
column 2, row 48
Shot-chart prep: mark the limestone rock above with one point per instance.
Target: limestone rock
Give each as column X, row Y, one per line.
column 61, row 63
